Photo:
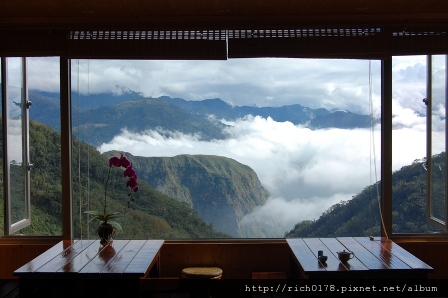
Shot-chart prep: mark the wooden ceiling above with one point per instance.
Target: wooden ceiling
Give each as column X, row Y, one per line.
column 218, row 14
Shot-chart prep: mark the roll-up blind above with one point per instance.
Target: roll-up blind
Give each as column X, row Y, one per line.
column 357, row 43
column 172, row 45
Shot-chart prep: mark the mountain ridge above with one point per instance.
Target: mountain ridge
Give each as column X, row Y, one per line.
column 106, row 117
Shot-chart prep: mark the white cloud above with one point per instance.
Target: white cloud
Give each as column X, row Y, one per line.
column 305, row 171
column 264, row 81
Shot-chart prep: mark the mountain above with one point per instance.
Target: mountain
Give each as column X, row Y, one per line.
column 100, row 117
column 152, row 214
column 360, row 216
column 220, row 189
column 94, row 101
column 296, row 114
column 99, row 125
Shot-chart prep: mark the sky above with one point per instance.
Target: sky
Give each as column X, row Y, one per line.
column 305, row 171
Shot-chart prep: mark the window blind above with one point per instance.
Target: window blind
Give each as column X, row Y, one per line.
column 347, row 43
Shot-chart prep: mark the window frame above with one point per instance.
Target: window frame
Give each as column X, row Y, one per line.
column 9, row 226
column 386, row 157
column 430, row 218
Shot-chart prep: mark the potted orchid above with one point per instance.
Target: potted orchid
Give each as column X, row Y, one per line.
column 108, row 225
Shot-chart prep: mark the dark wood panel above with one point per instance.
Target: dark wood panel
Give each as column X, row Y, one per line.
column 383, row 253
column 147, row 253
column 237, row 259
column 364, row 255
column 332, row 263
column 105, row 256
column 61, row 259
column 307, row 257
column 14, row 256
column 372, row 259
column 408, row 258
column 217, row 13
column 44, row 258
column 76, row 264
column 334, row 246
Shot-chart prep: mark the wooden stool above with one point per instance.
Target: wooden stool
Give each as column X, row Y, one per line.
column 202, row 273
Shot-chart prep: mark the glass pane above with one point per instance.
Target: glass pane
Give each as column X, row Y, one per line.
column 44, row 147
column 409, row 145
column 248, row 148
column 438, row 186
column 15, row 140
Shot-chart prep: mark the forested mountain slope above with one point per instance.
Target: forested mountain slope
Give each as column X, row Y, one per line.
column 360, row 216
column 220, row 189
column 152, row 214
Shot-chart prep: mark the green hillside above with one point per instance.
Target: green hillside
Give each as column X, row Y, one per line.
column 220, row 189
column 152, row 215
column 360, row 216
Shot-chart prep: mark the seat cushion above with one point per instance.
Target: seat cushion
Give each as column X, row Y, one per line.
column 202, row 272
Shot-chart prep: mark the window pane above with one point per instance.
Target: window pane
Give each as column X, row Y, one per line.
column 438, row 186
column 409, row 145
column 16, row 140
column 44, row 148
column 299, row 146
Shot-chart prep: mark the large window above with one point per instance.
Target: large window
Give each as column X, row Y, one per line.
column 245, row 148
column 248, row 147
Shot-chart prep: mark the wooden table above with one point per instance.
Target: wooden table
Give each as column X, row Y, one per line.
column 377, row 258
column 87, row 268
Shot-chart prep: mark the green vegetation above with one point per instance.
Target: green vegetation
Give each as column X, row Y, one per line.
column 152, row 215
column 360, row 216
column 220, row 189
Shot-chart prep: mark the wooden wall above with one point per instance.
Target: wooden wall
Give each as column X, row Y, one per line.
column 13, row 256
column 237, row 259
column 435, row 254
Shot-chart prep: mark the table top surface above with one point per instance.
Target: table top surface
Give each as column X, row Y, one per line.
column 121, row 258
column 378, row 254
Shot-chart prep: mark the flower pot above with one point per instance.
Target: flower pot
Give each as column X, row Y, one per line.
column 106, row 232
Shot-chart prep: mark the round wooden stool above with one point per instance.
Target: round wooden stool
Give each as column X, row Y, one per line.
column 202, row 273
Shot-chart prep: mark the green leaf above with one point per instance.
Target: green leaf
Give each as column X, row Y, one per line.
column 112, row 216
column 93, row 212
column 115, row 225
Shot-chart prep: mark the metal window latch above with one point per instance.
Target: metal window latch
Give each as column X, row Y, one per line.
column 28, row 104
column 30, row 166
column 426, row 101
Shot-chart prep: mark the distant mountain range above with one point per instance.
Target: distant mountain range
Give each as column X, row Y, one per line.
column 102, row 116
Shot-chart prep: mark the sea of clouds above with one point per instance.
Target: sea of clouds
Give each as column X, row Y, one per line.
column 306, row 171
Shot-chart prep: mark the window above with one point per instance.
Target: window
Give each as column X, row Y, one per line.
column 301, row 168
column 419, row 142
column 437, row 208
column 16, row 179
column 32, row 165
